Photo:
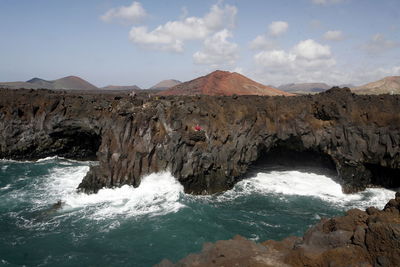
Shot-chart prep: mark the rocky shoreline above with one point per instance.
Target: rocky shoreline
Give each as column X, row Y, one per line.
column 360, row 238
column 209, row 143
column 357, row 136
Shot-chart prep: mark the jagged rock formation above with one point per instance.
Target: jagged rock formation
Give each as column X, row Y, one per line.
column 40, row 123
column 219, row 83
column 387, row 85
column 356, row 135
column 360, row 238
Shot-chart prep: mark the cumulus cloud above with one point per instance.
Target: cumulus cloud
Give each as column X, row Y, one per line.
column 217, row 50
column 310, row 61
column 172, row 35
column 278, row 27
column 379, row 44
column 333, row 36
column 268, row 40
column 125, row 14
column 311, row 50
column 326, row 2
column 306, row 61
column 368, row 74
column 307, row 53
column 276, row 59
column 261, row 42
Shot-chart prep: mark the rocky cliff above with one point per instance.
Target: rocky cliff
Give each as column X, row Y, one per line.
column 358, row 136
column 360, row 238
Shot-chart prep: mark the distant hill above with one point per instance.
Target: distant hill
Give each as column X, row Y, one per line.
column 222, row 83
column 388, row 85
column 121, row 87
column 304, row 88
column 69, row 82
column 40, row 82
column 166, row 84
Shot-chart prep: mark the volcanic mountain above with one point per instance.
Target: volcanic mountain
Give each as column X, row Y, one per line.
column 388, row 85
column 165, row 84
column 66, row 83
column 222, row 83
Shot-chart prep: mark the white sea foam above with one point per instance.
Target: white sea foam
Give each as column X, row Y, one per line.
column 5, row 187
column 161, row 193
column 158, row 193
column 49, row 158
column 285, row 183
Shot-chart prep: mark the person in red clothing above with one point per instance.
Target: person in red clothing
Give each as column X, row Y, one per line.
column 197, row 128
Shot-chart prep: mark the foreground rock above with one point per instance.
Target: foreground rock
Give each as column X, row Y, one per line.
column 360, row 238
column 357, row 136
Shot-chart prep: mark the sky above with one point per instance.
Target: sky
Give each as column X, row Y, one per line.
column 120, row 42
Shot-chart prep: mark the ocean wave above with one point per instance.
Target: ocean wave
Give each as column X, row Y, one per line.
column 161, row 193
column 296, row 183
column 7, row 186
column 158, row 194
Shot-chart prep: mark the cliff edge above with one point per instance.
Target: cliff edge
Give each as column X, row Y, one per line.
column 207, row 142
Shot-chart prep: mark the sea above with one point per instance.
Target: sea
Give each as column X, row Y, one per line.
column 141, row 226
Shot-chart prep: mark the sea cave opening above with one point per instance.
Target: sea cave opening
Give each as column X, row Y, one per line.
column 291, row 154
column 77, row 143
column 384, row 176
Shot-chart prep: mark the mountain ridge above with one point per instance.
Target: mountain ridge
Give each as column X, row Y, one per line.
column 165, row 84
column 64, row 83
column 223, row 83
column 387, row 85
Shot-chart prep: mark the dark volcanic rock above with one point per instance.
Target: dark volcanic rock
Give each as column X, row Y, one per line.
column 356, row 135
column 360, row 238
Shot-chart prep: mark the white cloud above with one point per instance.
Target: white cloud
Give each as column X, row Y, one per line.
column 333, row 36
column 219, row 18
column 275, row 59
column 379, row 44
column 306, row 61
column 305, row 54
column 278, row 27
column 268, row 41
column 126, row 14
column 262, row 43
column 217, row 50
column 367, row 74
column 326, row 2
column 172, row 35
column 311, row 50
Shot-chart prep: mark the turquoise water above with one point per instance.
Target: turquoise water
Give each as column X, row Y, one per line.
column 141, row 226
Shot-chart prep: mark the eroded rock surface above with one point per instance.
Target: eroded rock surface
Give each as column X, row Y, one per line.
column 360, row 238
column 359, row 135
